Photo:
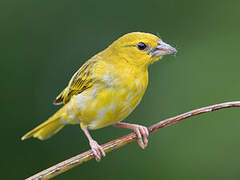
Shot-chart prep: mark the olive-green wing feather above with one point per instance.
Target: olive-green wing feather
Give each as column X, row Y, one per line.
column 81, row 80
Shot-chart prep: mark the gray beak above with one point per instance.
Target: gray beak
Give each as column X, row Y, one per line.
column 163, row 49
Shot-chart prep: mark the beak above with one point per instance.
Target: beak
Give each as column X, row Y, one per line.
column 163, row 49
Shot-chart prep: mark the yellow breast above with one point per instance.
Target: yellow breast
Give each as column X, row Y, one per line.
column 110, row 100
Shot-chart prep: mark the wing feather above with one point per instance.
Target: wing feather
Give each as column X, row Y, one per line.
column 81, row 80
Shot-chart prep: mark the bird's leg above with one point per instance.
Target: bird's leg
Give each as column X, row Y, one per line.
column 96, row 148
column 141, row 132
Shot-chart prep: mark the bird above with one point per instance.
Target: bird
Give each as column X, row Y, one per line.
column 106, row 89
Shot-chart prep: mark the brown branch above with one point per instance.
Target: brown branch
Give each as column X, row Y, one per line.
column 119, row 142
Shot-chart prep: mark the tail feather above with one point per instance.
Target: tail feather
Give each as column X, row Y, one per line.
column 46, row 129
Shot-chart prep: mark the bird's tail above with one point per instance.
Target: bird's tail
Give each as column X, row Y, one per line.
column 48, row 128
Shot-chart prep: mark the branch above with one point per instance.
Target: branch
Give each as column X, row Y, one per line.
column 119, row 142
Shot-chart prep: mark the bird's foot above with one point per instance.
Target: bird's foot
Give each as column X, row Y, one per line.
column 97, row 150
column 142, row 135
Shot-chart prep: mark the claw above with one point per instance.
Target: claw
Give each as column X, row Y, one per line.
column 97, row 150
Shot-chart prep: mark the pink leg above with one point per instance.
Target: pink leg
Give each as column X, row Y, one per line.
column 141, row 132
column 96, row 148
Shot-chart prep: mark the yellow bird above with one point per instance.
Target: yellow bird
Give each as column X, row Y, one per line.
column 106, row 89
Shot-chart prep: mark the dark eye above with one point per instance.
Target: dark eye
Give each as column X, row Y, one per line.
column 141, row 46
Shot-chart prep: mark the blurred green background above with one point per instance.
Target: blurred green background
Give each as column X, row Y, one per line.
column 44, row 42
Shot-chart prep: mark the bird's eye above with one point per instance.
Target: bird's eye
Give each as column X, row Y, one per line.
column 141, row 46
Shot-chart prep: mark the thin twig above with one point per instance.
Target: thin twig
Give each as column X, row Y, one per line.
column 119, row 142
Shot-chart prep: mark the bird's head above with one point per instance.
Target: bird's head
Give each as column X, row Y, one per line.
column 140, row 49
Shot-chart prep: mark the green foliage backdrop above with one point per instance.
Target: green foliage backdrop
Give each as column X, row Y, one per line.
column 44, row 42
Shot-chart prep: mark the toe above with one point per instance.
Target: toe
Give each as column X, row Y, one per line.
column 140, row 143
column 101, row 151
column 144, row 132
column 97, row 157
column 97, row 150
column 139, row 136
column 138, row 133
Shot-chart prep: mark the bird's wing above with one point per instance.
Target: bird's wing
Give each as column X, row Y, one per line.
column 81, row 80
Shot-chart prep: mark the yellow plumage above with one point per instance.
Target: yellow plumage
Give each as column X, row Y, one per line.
column 48, row 128
column 108, row 87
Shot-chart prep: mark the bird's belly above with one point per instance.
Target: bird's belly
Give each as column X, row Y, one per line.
column 99, row 108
